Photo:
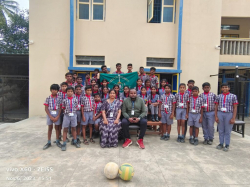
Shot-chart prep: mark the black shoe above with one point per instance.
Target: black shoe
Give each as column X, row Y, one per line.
column 220, row 146
column 156, row 118
column 182, row 140
column 205, row 142
column 64, row 147
column 196, row 141
column 77, row 145
column 47, row 146
column 210, row 142
column 179, row 139
column 78, row 141
column 67, row 140
column 167, row 138
column 226, row 148
column 191, row 140
column 72, row 141
column 59, row 144
column 152, row 118
column 163, row 137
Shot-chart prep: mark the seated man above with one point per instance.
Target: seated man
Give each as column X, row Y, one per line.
column 134, row 111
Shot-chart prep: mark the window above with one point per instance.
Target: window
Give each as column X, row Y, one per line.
column 230, row 36
column 90, row 60
column 160, row 62
column 91, row 10
column 230, row 27
column 161, row 11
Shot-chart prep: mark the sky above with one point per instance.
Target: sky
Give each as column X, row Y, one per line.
column 23, row 4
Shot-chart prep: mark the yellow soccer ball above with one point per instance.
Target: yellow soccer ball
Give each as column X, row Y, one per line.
column 111, row 170
column 126, row 172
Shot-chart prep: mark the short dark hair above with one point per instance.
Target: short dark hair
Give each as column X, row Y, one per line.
column 191, row 81
column 111, row 91
column 195, row 88
column 64, row 83
column 130, row 65
column 205, row 84
column 54, row 87
column 74, row 73
column 96, row 94
column 153, row 68
column 142, row 67
column 96, row 85
column 225, row 84
column 96, row 69
column 103, row 66
column 78, row 77
column 78, row 86
column 92, row 80
column 118, row 64
column 182, row 84
column 88, row 87
column 70, row 88
column 68, row 74
column 116, row 85
column 168, row 85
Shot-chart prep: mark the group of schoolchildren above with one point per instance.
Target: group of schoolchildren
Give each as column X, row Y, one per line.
column 73, row 106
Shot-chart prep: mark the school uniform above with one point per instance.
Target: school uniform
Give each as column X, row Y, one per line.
column 161, row 91
column 88, row 105
column 167, row 102
column 145, row 98
column 195, row 106
column 148, row 90
column 209, row 100
column 93, row 93
column 105, row 97
column 70, row 84
column 138, row 90
column 98, row 106
column 54, row 109
column 181, row 105
column 123, row 96
column 62, row 95
column 82, row 88
column 154, row 80
column 143, row 77
column 100, row 89
column 87, row 82
column 225, row 113
column 78, row 111
column 94, row 78
column 153, row 99
column 116, row 72
column 69, row 105
column 189, row 92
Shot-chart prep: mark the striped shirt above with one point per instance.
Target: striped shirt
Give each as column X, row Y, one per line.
column 226, row 101
column 181, row 100
column 79, row 101
column 195, row 104
column 167, row 102
column 70, row 105
column 209, row 100
column 53, row 103
column 88, row 103
column 154, row 80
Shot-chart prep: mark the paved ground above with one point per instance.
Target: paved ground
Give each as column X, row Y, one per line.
column 160, row 164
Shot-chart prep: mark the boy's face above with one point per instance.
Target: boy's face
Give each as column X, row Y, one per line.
column 182, row 88
column 195, row 93
column 64, row 87
column 97, row 98
column 130, row 68
column 88, row 91
column 190, row 85
column 79, row 81
column 78, row 91
column 206, row 88
column 104, row 70
column 69, row 78
column 118, row 67
column 152, row 72
column 96, row 72
column 225, row 89
column 141, row 70
column 70, row 93
column 54, row 92
column 75, row 75
column 167, row 90
column 87, row 76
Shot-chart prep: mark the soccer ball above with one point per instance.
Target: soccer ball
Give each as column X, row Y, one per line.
column 111, row 170
column 126, row 172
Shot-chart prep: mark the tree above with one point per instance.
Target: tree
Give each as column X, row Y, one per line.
column 15, row 34
column 7, row 8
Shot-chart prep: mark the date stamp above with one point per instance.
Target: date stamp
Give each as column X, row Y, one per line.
column 29, row 169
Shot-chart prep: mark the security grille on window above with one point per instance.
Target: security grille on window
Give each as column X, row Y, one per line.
column 160, row 62
column 90, row 60
column 91, row 10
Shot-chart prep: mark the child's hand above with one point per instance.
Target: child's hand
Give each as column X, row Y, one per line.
column 171, row 116
column 52, row 118
column 56, row 119
column 83, row 119
column 94, row 118
column 186, row 116
column 217, row 119
column 200, row 120
column 116, row 121
column 232, row 121
column 105, row 122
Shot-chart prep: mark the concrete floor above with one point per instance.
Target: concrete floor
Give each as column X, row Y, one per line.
column 160, row 164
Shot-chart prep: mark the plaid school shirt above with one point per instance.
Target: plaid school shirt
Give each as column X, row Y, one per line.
column 145, row 97
column 79, row 101
column 116, row 72
column 154, row 80
column 167, row 100
column 195, row 103
column 181, row 98
column 87, row 82
column 98, row 106
column 189, row 92
column 63, row 95
column 143, row 77
column 69, row 105
column 88, row 103
column 154, row 98
column 53, row 103
column 209, row 100
column 226, row 101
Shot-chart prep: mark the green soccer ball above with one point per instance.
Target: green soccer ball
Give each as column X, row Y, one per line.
column 126, row 172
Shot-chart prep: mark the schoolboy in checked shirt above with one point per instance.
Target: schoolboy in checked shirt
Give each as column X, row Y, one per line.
column 209, row 100
column 69, row 105
column 195, row 115
column 88, row 113
column 98, row 113
column 181, row 111
column 225, row 114
column 166, row 111
column 153, row 79
column 53, row 110
column 78, row 95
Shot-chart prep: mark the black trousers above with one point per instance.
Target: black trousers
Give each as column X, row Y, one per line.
column 125, row 127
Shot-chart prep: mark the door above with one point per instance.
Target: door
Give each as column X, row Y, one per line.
column 175, row 82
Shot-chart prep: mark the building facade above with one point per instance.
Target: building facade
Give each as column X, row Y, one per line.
column 183, row 39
